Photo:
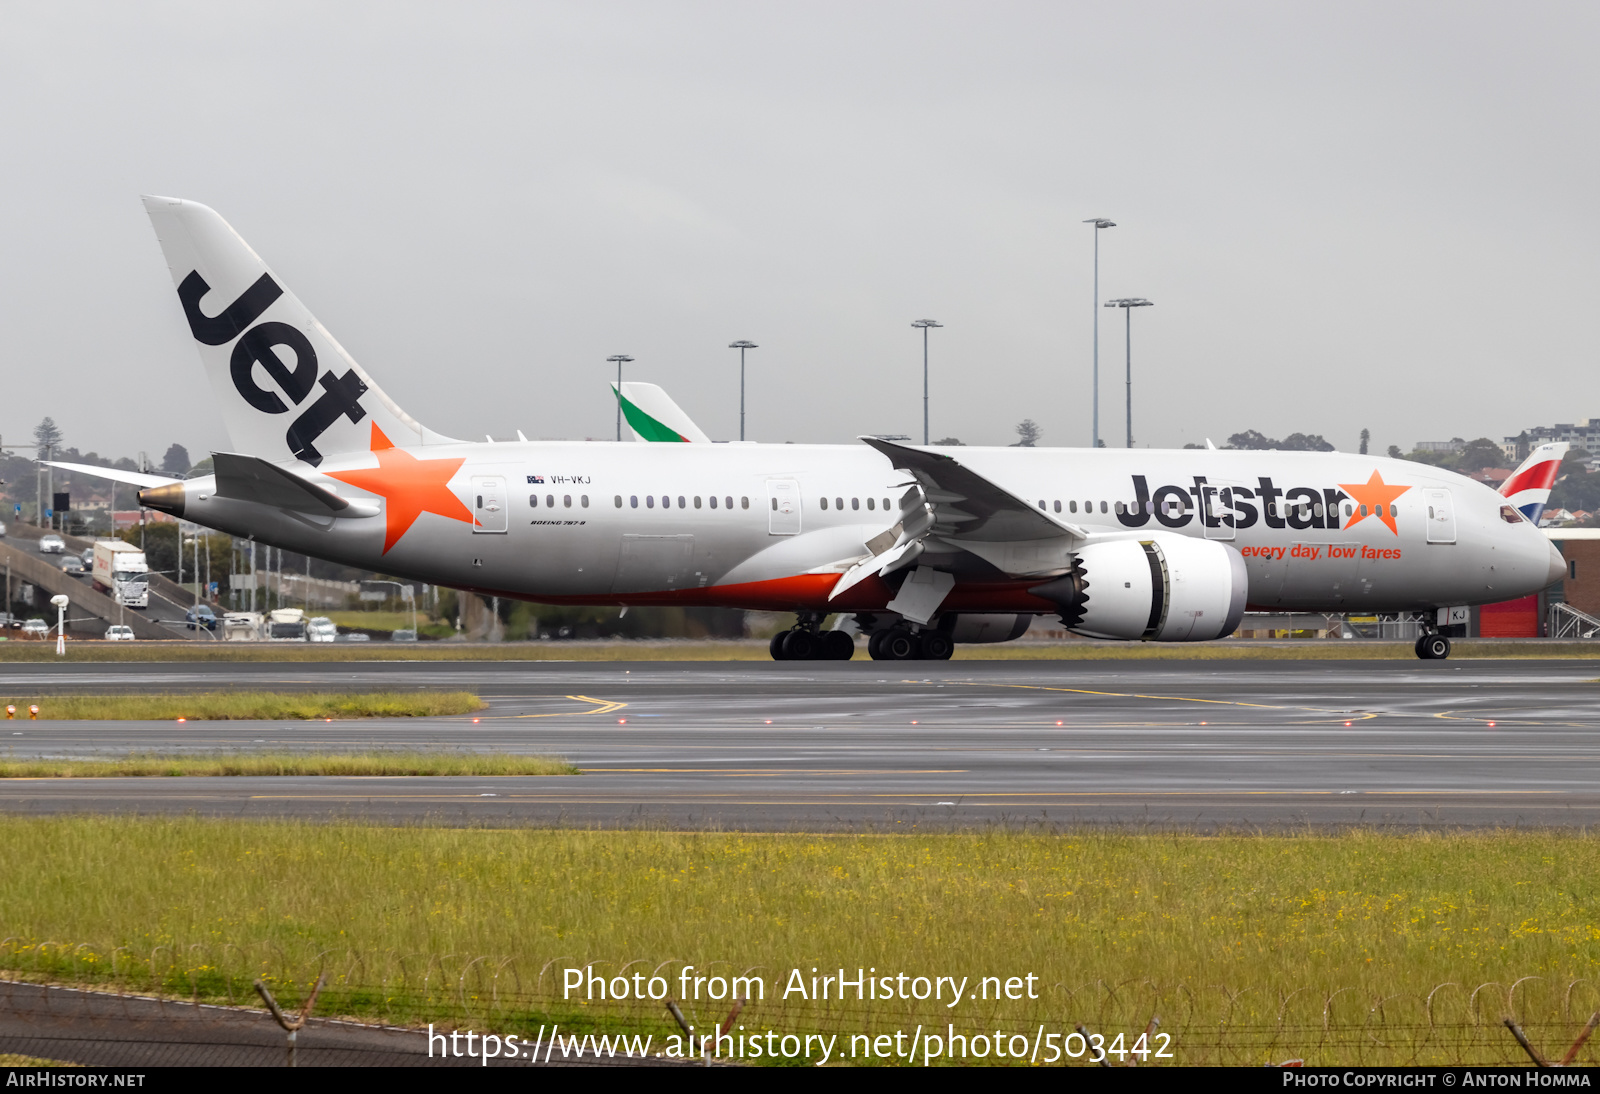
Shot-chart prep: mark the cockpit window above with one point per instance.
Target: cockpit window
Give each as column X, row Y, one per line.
column 1511, row 516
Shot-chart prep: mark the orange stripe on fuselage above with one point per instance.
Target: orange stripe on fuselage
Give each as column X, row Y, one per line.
column 809, row 592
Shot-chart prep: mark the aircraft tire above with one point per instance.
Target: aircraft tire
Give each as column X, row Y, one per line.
column 936, row 646
column 899, row 645
column 838, row 646
column 775, row 647
column 1433, row 647
column 875, row 645
column 799, row 646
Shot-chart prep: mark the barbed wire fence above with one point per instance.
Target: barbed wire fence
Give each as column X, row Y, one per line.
column 1450, row 1023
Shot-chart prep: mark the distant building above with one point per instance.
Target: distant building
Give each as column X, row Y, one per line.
column 1446, row 447
column 129, row 518
column 1584, row 434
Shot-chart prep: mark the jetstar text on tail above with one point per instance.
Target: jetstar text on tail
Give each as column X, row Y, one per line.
column 258, row 345
column 1233, row 505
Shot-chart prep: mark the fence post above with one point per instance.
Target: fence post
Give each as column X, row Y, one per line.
column 291, row 1026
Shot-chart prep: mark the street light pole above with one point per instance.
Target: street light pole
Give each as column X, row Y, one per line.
column 1127, row 304
column 923, row 325
column 620, row 359
column 742, row 345
column 1099, row 223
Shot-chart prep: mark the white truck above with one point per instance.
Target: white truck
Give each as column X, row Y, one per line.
column 121, row 570
column 286, row 625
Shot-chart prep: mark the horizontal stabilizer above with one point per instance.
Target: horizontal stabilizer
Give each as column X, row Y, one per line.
column 132, row 478
column 250, row 478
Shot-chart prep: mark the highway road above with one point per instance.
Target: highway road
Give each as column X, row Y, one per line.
column 1197, row 745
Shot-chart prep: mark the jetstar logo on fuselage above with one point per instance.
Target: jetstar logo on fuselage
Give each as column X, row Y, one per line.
column 258, row 345
column 1232, row 505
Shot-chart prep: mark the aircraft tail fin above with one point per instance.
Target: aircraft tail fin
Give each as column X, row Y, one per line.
column 286, row 388
column 653, row 416
column 1528, row 488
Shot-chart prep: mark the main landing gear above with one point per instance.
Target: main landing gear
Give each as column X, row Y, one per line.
column 900, row 644
column 1433, row 647
column 806, row 643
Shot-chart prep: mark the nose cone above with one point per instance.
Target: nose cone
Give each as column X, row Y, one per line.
column 1558, row 566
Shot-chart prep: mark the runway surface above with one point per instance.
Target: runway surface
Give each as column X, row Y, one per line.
column 887, row 746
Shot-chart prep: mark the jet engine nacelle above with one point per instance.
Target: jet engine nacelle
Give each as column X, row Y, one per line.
column 1161, row 588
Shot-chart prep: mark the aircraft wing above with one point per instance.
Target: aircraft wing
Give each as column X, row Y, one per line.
column 969, row 508
column 965, row 510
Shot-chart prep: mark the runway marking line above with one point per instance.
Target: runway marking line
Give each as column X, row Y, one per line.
column 1351, row 716
column 602, row 706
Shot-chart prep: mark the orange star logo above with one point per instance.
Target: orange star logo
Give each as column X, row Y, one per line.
column 1375, row 494
column 410, row 486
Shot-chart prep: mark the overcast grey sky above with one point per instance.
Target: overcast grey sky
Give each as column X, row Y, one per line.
column 1347, row 215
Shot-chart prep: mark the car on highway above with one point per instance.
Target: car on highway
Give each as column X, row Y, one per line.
column 36, row 628
column 51, row 545
column 72, row 564
column 321, row 629
column 355, row 636
column 88, row 555
column 119, row 633
column 2, row 530
column 200, row 615
column 406, row 635
column 9, row 620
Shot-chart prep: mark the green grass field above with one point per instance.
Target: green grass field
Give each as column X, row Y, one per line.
column 1359, row 948
column 248, row 705
column 289, row 763
column 753, row 650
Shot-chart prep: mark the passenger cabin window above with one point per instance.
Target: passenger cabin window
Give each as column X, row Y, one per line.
column 870, row 505
column 820, row 501
column 533, row 500
column 584, row 500
column 1058, row 507
column 649, row 501
column 838, row 503
column 729, row 500
column 697, row 501
column 619, row 501
column 633, row 501
column 744, row 503
column 855, row 503
column 713, row 500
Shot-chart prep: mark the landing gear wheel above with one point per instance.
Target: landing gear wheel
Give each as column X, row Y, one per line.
column 837, row 646
column 1433, row 647
column 936, row 646
column 898, row 645
column 799, row 646
column 775, row 647
column 875, row 645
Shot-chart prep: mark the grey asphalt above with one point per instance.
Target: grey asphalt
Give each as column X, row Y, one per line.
column 105, row 1029
column 875, row 745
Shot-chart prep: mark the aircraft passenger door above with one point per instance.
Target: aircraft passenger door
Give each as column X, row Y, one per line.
column 488, row 501
column 1441, row 516
column 783, row 507
column 1216, row 512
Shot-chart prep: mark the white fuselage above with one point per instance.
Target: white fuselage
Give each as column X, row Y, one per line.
column 773, row 526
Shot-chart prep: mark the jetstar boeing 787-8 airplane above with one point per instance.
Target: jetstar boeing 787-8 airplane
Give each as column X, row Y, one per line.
column 925, row 547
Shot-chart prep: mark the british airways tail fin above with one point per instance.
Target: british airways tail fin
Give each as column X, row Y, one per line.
column 287, row 389
column 1528, row 488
